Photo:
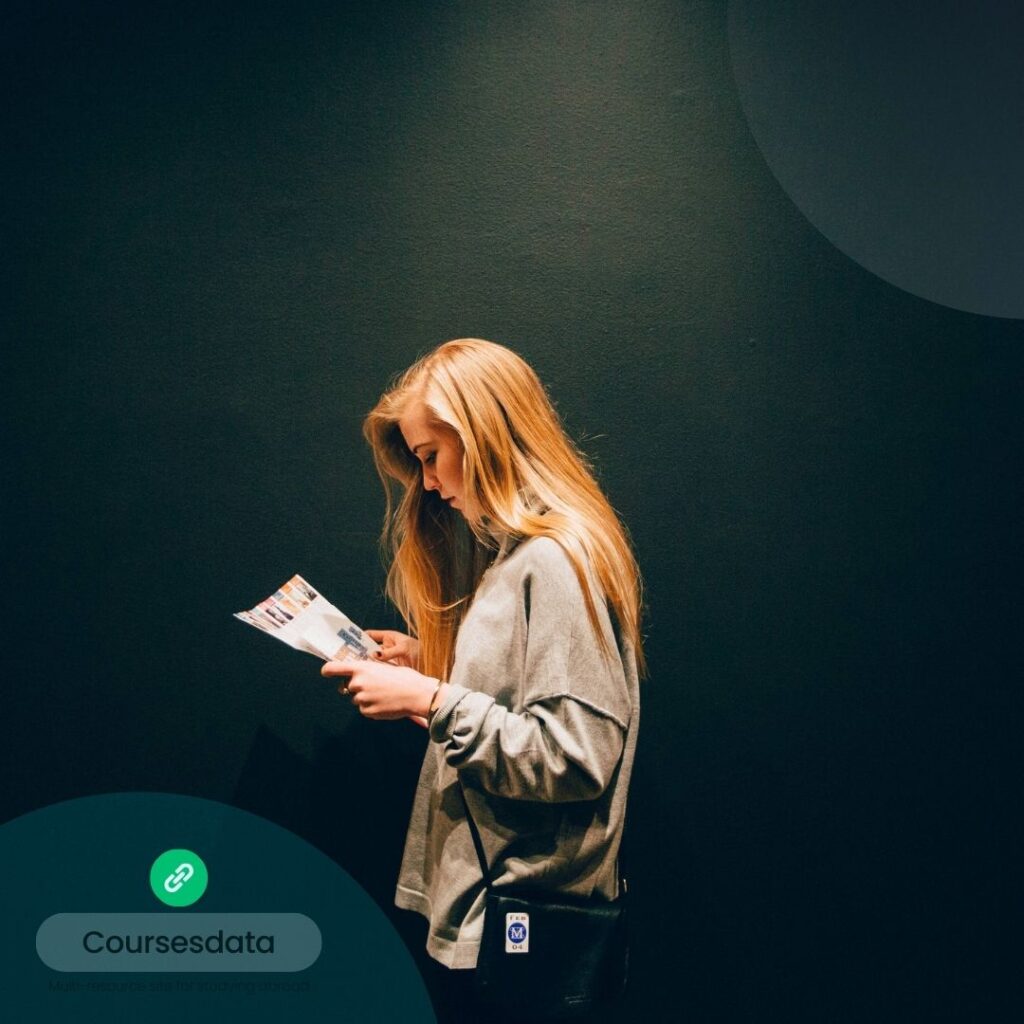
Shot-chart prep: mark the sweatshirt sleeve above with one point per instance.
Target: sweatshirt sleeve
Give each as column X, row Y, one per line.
column 566, row 741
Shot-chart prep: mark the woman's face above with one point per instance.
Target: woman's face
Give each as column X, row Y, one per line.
column 439, row 451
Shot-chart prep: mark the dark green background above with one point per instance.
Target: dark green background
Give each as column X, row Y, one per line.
column 227, row 226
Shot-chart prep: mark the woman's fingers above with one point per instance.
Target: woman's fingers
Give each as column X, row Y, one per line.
column 349, row 686
column 338, row 668
column 378, row 689
column 386, row 638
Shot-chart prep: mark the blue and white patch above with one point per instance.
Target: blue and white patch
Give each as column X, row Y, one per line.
column 517, row 933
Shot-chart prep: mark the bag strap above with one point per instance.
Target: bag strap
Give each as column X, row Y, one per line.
column 484, row 870
column 620, row 865
column 479, row 846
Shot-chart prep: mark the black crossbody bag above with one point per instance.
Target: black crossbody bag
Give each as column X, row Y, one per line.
column 546, row 954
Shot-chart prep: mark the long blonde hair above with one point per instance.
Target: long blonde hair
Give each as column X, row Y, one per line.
column 523, row 477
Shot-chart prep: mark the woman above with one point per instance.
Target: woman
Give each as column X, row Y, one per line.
column 516, row 577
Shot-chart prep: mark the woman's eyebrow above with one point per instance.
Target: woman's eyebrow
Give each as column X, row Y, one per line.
column 420, row 445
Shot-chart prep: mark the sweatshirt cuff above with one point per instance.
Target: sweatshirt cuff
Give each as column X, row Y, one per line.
column 439, row 724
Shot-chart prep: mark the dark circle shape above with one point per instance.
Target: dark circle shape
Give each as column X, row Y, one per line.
column 896, row 129
column 93, row 855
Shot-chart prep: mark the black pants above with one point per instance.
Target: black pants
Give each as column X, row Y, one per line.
column 455, row 1002
column 453, row 995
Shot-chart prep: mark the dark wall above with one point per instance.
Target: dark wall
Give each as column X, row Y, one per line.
column 227, row 226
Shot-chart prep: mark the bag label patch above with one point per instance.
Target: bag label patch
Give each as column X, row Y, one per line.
column 517, row 933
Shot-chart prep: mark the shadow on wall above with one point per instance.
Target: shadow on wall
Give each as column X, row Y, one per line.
column 351, row 799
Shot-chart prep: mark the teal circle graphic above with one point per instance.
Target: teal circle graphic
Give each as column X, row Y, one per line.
column 178, row 878
column 895, row 130
column 83, row 880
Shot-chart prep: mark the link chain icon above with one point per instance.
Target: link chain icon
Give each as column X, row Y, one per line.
column 172, row 883
column 178, row 878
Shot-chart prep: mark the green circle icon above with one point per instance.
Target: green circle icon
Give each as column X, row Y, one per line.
column 178, row 878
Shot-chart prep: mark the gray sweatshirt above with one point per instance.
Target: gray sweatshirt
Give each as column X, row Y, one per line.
column 541, row 729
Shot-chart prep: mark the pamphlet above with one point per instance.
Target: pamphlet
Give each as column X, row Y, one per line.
column 307, row 621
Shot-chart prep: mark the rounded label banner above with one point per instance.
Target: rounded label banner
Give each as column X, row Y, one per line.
column 178, row 943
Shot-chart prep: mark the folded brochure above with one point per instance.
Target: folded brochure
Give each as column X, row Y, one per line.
column 307, row 621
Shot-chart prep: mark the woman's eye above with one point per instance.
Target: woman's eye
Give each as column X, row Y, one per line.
column 430, row 458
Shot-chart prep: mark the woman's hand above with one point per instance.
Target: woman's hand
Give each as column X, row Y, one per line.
column 384, row 691
column 397, row 648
